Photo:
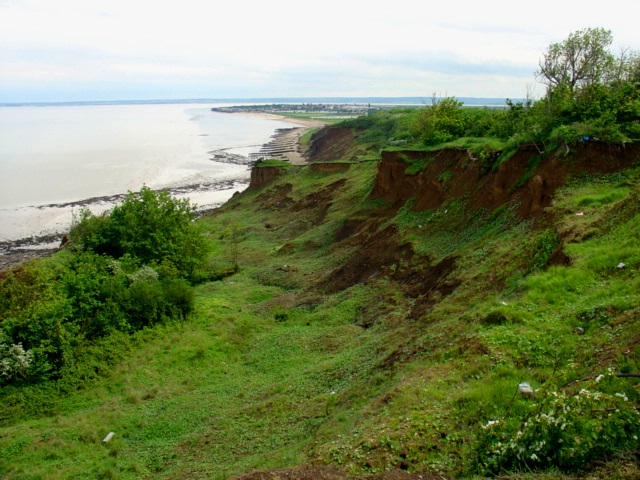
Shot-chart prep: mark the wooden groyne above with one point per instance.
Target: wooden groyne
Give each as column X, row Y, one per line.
column 284, row 142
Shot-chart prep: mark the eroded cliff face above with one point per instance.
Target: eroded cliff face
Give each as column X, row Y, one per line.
column 527, row 178
column 261, row 176
column 330, row 144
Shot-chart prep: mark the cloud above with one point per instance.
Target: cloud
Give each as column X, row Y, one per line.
column 271, row 48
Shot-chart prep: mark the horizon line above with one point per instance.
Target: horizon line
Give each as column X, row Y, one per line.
column 402, row 100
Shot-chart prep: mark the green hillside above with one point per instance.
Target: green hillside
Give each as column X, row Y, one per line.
column 367, row 335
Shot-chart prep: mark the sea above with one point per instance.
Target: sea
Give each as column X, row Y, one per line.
column 56, row 160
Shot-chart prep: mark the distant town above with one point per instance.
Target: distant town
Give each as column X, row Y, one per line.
column 333, row 109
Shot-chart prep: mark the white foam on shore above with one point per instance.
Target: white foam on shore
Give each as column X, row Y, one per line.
column 55, row 220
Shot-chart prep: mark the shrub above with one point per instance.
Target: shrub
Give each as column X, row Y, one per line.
column 14, row 359
column 563, row 431
column 152, row 227
column 50, row 315
column 544, row 248
column 442, row 121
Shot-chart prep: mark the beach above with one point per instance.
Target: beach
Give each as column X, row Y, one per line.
column 209, row 164
column 288, row 138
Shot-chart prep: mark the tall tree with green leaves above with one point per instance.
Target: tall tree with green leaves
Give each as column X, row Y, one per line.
column 581, row 60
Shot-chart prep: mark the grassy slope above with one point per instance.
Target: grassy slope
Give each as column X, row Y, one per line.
column 272, row 371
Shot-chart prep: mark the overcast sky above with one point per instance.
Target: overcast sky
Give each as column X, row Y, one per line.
column 75, row 50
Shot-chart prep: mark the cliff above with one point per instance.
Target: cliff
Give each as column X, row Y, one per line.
column 527, row 178
column 383, row 317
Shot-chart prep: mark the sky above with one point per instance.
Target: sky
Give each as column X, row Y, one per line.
column 91, row 50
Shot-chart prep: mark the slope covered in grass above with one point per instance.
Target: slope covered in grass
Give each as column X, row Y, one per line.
column 364, row 335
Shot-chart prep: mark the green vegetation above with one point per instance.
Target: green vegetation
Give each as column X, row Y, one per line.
column 152, row 228
column 271, row 369
column 65, row 321
column 591, row 95
column 328, row 118
column 309, row 323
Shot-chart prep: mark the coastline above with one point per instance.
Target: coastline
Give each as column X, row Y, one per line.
column 16, row 251
column 285, row 141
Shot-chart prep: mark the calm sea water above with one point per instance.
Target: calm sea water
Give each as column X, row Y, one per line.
column 55, row 159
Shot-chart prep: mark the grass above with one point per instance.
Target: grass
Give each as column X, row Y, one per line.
column 326, row 118
column 272, row 162
column 271, row 371
column 242, row 401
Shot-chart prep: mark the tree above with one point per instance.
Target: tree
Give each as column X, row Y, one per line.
column 152, row 227
column 442, row 121
column 583, row 59
column 627, row 67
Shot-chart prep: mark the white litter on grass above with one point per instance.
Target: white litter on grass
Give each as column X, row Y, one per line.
column 525, row 389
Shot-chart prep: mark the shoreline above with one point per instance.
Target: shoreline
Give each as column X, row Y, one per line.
column 13, row 252
column 284, row 141
column 289, row 138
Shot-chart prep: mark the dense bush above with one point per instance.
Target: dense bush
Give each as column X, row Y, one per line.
column 442, row 121
column 125, row 271
column 383, row 128
column 151, row 227
column 563, row 431
column 51, row 314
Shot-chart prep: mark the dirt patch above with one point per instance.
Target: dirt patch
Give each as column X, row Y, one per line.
column 318, row 202
column 376, row 255
column 356, row 230
column 559, row 258
column 261, row 176
column 380, row 253
column 330, row 144
column 428, row 285
column 329, row 167
column 275, row 198
column 321, row 197
column 527, row 179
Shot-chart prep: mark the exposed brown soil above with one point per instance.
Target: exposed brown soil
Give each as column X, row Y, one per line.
column 316, row 205
column 375, row 256
column 330, row 144
column 261, row 176
column 275, row 198
column 428, row 285
column 329, row 167
column 356, row 230
column 456, row 173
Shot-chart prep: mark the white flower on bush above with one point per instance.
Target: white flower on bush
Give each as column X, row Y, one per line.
column 14, row 360
column 563, row 430
column 490, row 424
column 144, row 274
